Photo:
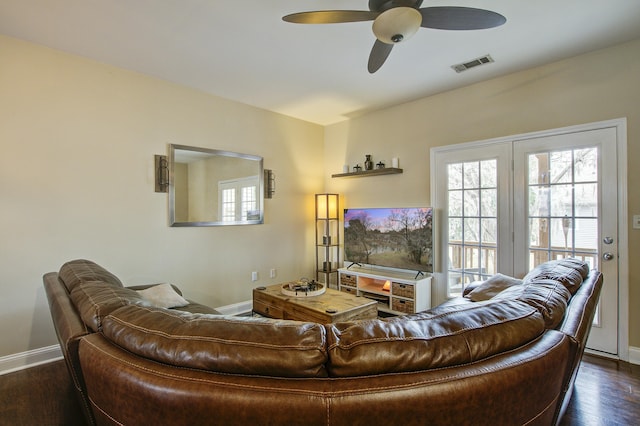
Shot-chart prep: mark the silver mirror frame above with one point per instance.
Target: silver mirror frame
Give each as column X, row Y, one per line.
column 213, row 152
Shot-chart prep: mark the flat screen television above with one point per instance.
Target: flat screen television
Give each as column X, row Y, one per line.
column 400, row 238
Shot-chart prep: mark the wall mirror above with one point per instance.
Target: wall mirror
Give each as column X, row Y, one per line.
column 208, row 187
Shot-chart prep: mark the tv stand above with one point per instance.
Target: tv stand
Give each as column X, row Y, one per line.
column 404, row 293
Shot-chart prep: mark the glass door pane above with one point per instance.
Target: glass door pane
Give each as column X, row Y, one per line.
column 562, row 187
column 472, row 217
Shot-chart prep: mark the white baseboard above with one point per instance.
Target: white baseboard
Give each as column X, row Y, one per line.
column 634, row 355
column 20, row 361
column 241, row 308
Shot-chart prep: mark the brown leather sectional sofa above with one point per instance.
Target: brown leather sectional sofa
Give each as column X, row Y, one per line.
column 510, row 359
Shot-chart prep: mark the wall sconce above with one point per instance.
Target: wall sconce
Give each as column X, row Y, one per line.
column 269, row 183
column 162, row 173
column 327, row 206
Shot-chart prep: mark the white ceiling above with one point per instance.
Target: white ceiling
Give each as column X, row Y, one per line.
column 242, row 50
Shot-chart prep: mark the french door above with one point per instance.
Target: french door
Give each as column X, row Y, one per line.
column 508, row 205
column 476, row 215
column 567, row 203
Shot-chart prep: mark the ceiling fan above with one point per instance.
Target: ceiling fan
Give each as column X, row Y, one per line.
column 395, row 21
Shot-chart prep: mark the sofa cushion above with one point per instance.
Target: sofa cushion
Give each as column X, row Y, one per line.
column 549, row 297
column 78, row 271
column 491, row 287
column 441, row 337
column 239, row 345
column 570, row 272
column 96, row 299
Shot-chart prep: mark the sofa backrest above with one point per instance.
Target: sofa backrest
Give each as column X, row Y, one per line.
column 94, row 300
column 570, row 272
column 226, row 344
column 548, row 288
column 78, row 271
column 549, row 297
column 441, row 337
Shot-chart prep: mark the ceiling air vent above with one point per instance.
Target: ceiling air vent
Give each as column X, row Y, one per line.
column 472, row 63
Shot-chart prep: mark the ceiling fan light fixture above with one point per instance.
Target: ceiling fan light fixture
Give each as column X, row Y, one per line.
column 397, row 24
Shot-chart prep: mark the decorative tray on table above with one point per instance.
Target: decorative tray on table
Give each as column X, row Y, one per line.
column 303, row 288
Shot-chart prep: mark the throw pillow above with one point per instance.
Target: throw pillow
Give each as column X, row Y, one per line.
column 492, row 287
column 163, row 296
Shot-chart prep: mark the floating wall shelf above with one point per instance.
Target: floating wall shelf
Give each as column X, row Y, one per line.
column 374, row 172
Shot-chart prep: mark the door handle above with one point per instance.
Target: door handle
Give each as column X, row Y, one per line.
column 608, row 256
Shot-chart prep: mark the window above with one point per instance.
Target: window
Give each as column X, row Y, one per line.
column 248, row 201
column 228, row 204
column 238, row 199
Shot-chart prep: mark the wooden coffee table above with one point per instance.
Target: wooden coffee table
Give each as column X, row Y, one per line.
column 328, row 308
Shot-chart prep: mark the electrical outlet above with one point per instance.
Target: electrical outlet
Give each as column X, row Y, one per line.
column 636, row 221
column 254, row 276
column 272, row 273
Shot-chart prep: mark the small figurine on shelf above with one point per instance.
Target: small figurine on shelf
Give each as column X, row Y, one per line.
column 357, row 168
column 368, row 163
column 380, row 165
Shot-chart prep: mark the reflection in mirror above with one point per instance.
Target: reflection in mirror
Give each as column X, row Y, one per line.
column 208, row 187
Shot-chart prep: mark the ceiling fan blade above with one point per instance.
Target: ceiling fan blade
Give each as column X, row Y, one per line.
column 331, row 16
column 379, row 54
column 460, row 18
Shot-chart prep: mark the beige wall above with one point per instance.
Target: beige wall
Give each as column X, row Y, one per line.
column 76, row 170
column 598, row 86
column 76, row 181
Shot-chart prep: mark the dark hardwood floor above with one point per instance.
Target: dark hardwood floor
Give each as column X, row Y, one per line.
column 41, row 395
column 607, row 393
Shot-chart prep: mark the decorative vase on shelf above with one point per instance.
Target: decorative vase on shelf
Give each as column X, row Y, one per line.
column 357, row 168
column 368, row 163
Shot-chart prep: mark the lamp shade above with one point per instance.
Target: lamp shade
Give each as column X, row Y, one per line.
column 327, row 206
column 397, row 24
